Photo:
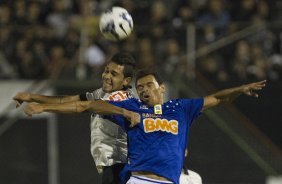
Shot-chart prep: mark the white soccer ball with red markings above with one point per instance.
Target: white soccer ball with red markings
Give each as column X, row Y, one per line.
column 116, row 24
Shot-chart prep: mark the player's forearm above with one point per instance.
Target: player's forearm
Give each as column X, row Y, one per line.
column 105, row 108
column 69, row 107
column 97, row 106
column 52, row 99
column 228, row 95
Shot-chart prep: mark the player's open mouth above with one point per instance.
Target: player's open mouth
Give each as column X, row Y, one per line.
column 146, row 96
column 107, row 83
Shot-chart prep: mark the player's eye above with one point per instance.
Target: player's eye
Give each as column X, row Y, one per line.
column 139, row 88
column 150, row 85
column 114, row 74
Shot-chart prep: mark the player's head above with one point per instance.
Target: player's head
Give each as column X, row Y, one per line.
column 150, row 87
column 118, row 72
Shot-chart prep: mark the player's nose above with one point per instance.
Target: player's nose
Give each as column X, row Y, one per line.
column 107, row 76
column 143, row 90
column 146, row 89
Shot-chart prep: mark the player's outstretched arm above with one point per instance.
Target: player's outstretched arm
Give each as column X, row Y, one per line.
column 30, row 97
column 228, row 95
column 97, row 106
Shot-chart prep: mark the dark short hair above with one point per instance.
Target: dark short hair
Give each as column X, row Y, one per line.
column 127, row 60
column 149, row 71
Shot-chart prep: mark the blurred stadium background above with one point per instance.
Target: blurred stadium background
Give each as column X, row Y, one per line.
column 200, row 46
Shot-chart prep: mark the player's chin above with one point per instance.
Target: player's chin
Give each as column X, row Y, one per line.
column 145, row 100
column 107, row 88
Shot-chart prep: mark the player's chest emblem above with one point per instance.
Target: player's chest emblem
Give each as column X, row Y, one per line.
column 118, row 96
column 158, row 109
column 152, row 125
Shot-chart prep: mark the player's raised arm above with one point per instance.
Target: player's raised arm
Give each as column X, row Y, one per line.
column 97, row 106
column 228, row 95
column 30, row 97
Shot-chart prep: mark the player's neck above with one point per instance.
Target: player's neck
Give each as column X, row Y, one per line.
column 156, row 102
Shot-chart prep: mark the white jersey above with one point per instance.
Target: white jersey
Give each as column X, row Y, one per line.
column 190, row 178
column 108, row 140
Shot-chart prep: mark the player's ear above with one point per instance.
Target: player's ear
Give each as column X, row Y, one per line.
column 126, row 81
column 163, row 88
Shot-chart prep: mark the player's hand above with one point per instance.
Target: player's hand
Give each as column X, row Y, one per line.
column 133, row 117
column 250, row 89
column 21, row 97
column 33, row 108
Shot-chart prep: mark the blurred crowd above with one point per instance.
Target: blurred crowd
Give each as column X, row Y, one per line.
column 40, row 39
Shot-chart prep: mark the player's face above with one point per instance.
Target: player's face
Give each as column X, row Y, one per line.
column 149, row 90
column 113, row 78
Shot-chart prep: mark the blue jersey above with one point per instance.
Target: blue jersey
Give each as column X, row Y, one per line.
column 157, row 144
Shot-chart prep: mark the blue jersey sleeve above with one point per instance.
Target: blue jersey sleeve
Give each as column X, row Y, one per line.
column 193, row 107
column 119, row 119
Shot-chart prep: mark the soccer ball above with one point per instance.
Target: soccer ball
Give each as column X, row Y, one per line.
column 116, row 24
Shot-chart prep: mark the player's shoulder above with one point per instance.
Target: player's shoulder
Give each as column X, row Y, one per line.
column 95, row 94
column 184, row 103
column 130, row 103
column 187, row 100
column 176, row 102
column 131, row 93
column 98, row 90
column 133, row 103
column 119, row 95
column 133, row 100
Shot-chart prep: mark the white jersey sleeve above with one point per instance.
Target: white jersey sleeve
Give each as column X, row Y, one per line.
column 95, row 95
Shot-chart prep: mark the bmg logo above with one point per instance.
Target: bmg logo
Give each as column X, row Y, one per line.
column 152, row 125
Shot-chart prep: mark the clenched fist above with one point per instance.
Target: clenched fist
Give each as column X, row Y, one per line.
column 133, row 117
column 21, row 97
column 33, row 108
